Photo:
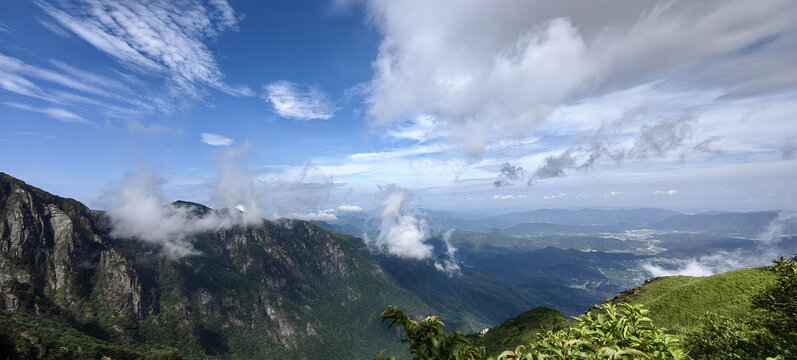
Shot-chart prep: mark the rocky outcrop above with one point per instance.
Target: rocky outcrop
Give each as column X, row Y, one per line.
column 119, row 286
column 277, row 283
column 48, row 248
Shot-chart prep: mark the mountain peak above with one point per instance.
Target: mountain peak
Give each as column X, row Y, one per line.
column 195, row 208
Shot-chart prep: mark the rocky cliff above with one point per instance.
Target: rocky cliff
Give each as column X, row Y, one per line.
column 276, row 289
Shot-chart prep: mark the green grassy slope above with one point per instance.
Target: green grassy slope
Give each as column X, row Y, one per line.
column 519, row 330
column 677, row 302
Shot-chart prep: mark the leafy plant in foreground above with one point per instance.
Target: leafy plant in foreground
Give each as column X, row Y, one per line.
column 610, row 332
column 427, row 340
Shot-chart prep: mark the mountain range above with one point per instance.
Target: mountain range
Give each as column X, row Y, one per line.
column 73, row 287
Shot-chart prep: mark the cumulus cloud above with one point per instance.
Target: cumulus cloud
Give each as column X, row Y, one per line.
column 401, row 231
column 349, row 208
column 295, row 101
column 137, row 210
column 770, row 246
column 436, row 59
column 323, row 215
column 509, row 173
column 557, row 196
column 161, row 37
column 216, row 139
column 503, row 197
column 670, row 192
column 610, row 144
column 448, row 262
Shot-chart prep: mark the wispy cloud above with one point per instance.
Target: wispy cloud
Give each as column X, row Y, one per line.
column 55, row 113
column 151, row 129
column 292, row 100
column 665, row 192
column 503, row 197
column 62, row 84
column 216, row 139
column 160, row 37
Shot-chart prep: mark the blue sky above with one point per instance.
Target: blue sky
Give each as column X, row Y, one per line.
column 306, row 108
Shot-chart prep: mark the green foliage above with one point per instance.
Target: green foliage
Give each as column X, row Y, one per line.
column 768, row 331
column 779, row 304
column 610, row 332
column 522, row 329
column 24, row 336
column 427, row 340
column 722, row 338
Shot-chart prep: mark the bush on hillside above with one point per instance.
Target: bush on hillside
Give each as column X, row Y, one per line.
column 610, row 332
column 770, row 330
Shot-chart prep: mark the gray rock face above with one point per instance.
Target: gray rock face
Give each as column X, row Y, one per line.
column 280, row 283
column 119, row 286
column 48, row 248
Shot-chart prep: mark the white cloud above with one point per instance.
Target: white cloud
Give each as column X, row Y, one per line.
column 421, row 129
column 771, row 245
column 615, row 193
column 557, row 196
column 62, row 84
column 322, row 215
column 157, row 37
column 665, row 192
column 448, row 264
column 216, row 139
column 55, row 113
column 503, row 197
column 401, row 232
column 436, row 58
column 295, row 101
column 137, row 209
column 349, row 208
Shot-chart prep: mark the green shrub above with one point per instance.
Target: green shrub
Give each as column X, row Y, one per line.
column 770, row 330
column 427, row 340
column 610, row 332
